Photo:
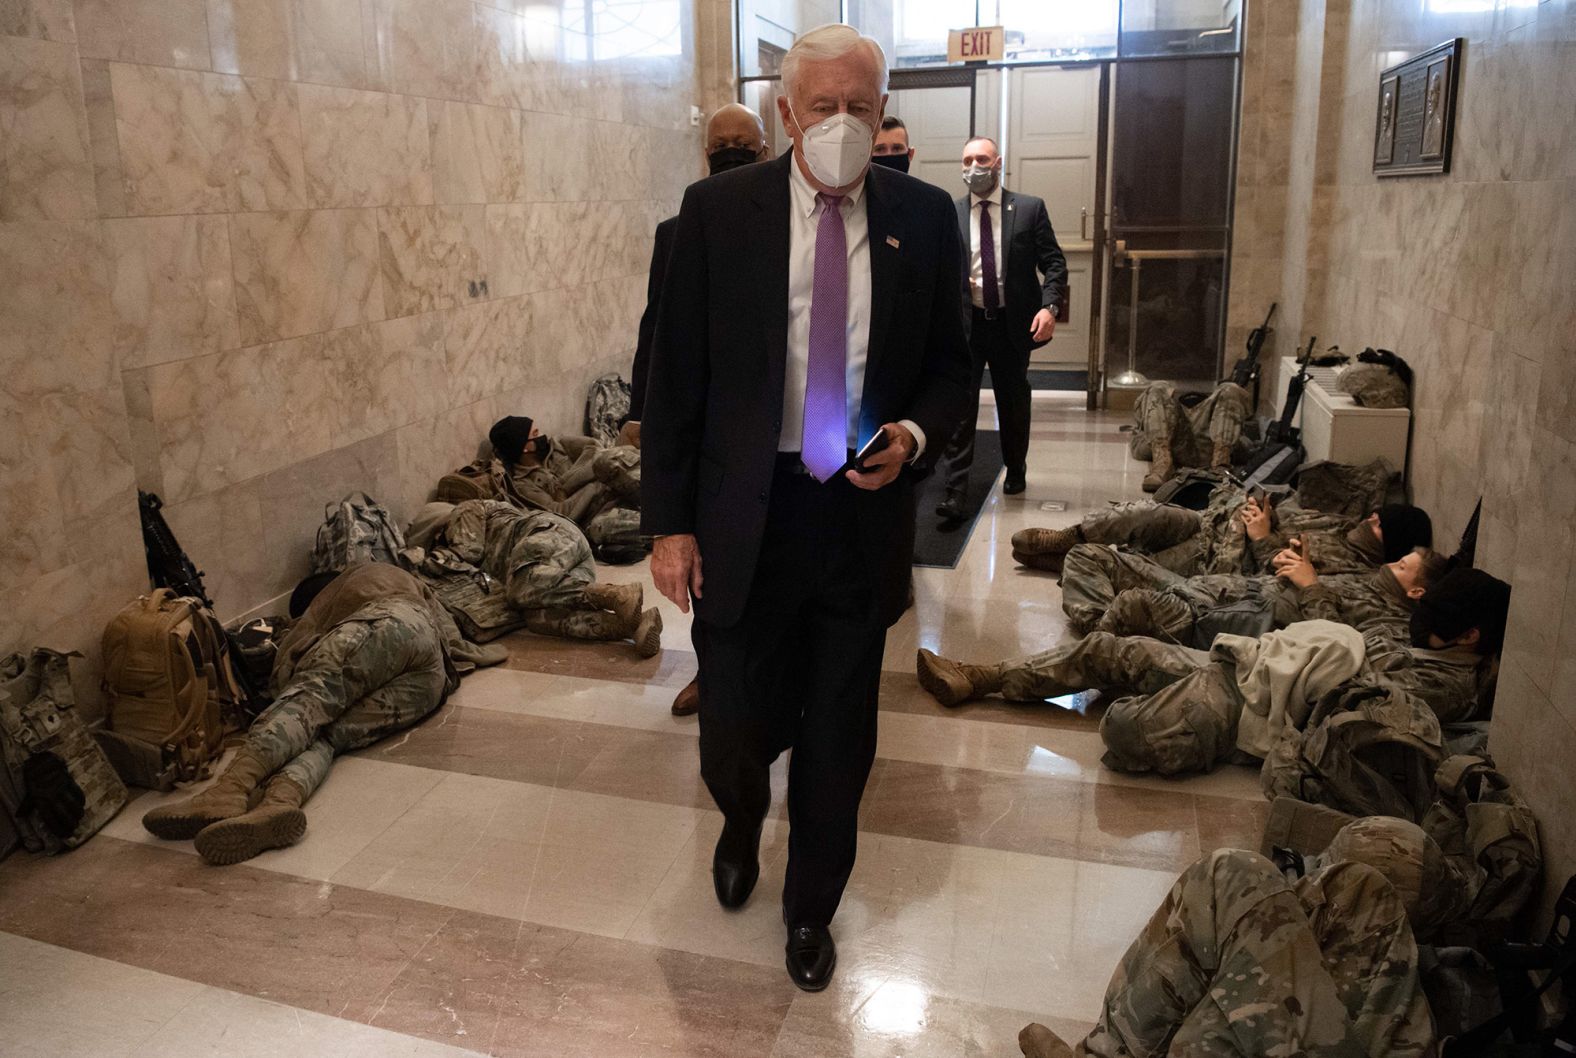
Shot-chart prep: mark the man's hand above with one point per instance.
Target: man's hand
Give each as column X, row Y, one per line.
column 885, row 464
column 1044, row 325
column 629, row 433
column 1292, row 566
column 675, row 567
column 1256, row 520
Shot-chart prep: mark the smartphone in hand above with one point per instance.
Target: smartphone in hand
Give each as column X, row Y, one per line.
column 879, row 443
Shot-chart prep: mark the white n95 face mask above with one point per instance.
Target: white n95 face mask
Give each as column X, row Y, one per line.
column 838, row 149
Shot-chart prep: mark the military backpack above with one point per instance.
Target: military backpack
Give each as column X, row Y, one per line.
column 607, row 406
column 356, row 529
column 170, row 688
column 55, row 783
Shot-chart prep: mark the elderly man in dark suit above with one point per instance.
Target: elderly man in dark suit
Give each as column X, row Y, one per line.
column 810, row 304
column 1016, row 283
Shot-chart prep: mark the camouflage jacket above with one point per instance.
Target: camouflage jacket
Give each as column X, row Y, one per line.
column 1362, row 600
column 548, row 485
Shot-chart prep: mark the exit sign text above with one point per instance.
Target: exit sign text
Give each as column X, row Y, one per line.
column 980, row 44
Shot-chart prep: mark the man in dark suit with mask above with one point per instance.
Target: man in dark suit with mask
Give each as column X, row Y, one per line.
column 1016, row 282
column 735, row 136
column 810, row 305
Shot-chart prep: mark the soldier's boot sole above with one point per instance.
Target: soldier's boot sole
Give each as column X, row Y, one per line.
column 1037, row 1041
column 1049, row 563
column 648, row 633
column 1045, row 541
column 239, row 839
column 184, row 820
column 942, row 679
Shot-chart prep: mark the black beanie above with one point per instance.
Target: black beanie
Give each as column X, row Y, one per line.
column 509, row 436
column 1463, row 600
column 308, row 590
column 1405, row 528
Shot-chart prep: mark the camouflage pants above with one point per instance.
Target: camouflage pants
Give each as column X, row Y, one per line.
column 619, row 469
column 362, row 681
column 615, row 527
column 550, row 568
column 1238, row 962
column 1093, row 575
column 1168, row 534
column 1137, row 595
column 1191, row 433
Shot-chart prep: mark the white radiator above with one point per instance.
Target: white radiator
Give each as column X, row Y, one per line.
column 1336, row 427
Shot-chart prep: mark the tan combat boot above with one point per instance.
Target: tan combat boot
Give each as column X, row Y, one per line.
column 952, row 682
column 623, row 599
column 230, row 795
column 1047, row 541
column 1037, row 1041
column 277, row 821
column 1048, row 563
column 647, row 633
column 1220, row 456
column 1160, row 468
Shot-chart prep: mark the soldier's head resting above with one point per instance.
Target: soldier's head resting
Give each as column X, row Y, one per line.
column 1418, row 571
column 516, row 439
column 307, row 590
column 1400, row 528
column 1467, row 608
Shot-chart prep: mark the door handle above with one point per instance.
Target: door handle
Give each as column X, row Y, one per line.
column 1083, row 224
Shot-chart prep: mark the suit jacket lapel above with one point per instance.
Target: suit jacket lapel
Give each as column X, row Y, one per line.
column 772, row 198
column 884, row 220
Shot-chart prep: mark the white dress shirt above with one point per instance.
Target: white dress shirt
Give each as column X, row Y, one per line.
column 804, row 220
column 976, row 270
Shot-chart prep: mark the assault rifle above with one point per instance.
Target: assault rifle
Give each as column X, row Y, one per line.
column 1246, row 371
column 168, row 566
column 1282, row 431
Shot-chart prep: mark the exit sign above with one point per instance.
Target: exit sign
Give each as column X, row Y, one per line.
column 980, row 44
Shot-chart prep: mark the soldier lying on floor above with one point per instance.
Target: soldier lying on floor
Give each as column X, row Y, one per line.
column 1234, row 534
column 1107, row 589
column 1239, row 961
column 371, row 652
column 1171, row 435
column 595, row 487
column 543, row 563
column 1187, row 710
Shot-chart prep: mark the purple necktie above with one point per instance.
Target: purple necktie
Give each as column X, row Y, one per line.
column 824, row 448
column 992, row 296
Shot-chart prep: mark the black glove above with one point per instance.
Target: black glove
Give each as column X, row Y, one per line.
column 53, row 796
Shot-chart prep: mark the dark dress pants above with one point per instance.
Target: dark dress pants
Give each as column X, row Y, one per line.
column 800, row 670
column 1009, row 378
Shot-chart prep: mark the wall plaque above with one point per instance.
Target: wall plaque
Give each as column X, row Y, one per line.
column 1415, row 114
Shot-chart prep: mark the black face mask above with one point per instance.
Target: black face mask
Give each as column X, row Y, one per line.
column 727, row 158
column 540, row 445
column 892, row 161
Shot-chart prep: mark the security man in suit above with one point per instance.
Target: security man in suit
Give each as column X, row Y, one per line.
column 1016, row 282
column 810, row 304
column 735, row 136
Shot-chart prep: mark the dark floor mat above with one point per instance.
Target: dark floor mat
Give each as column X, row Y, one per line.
column 941, row 544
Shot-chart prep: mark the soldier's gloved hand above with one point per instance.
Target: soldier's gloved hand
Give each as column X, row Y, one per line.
column 53, row 796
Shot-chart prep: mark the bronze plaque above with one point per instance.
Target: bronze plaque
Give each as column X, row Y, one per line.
column 1415, row 114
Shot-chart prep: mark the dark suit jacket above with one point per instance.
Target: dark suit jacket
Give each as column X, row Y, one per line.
column 1026, row 249
column 660, row 251
column 714, row 402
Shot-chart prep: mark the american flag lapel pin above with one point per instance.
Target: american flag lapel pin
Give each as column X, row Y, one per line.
column 892, row 242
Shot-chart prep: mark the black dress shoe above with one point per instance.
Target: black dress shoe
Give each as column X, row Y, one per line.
column 950, row 509
column 811, row 957
column 1015, row 482
column 735, row 864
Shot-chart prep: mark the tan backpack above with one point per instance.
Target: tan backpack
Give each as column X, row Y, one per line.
column 169, row 689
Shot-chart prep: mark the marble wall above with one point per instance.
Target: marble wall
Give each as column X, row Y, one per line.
column 260, row 253
column 1467, row 276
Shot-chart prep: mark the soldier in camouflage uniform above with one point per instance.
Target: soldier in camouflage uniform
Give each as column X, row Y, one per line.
column 571, row 476
column 1169, row 434
column 545, row 565
column 1130, row 594
column 1233, row 534
column 1239, row 961
column 368, row 656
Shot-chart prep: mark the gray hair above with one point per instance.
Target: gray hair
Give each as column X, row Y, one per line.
column 824, row 43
